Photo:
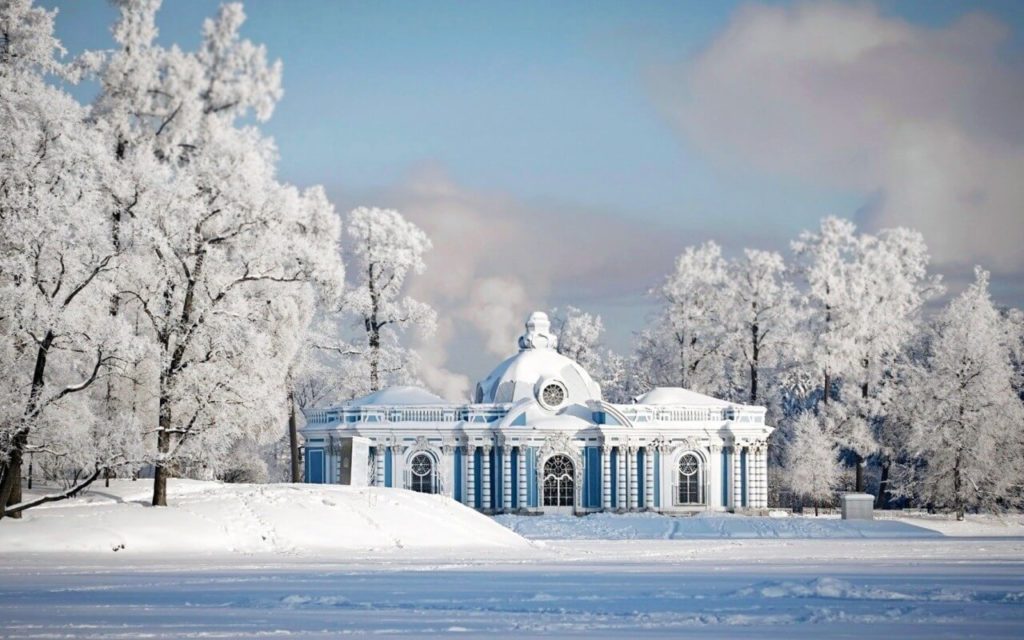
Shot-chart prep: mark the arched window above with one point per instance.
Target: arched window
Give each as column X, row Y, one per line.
column 559, row 482
column 422, row 479
column 690, row 480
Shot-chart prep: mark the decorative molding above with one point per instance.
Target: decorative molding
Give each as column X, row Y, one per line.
column 559, row 443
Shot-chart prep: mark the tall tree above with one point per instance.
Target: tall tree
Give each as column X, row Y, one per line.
column 966, row 442
column 385, row 248
column 686, row 345
column 56, row 258
column 216, row 239
column 761, row 318
column 893, row 285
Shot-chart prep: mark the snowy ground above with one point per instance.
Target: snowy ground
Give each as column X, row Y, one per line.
column 213, row 518
column 644, row 526
column 921, row 586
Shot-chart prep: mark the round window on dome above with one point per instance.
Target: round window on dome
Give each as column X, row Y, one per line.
column 552, row 395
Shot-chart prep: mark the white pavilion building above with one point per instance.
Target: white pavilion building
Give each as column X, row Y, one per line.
column 540, row 439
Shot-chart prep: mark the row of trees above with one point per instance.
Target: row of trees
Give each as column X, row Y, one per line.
column 166, row 301
column 840, row 345
column 161, row 291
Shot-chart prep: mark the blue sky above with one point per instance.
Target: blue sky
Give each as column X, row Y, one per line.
column 549, row 106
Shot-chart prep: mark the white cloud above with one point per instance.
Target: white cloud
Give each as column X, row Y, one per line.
column 495, row 259
column 925, row 122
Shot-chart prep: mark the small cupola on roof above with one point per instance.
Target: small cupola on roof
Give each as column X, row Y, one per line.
column 538, row 371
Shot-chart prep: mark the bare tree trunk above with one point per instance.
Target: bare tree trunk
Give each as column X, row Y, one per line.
column 884, row 498
column 293, row 438
column 958, row 501
column 754, row 362
column 374, row 357
column 163, row 447
column 10, row 482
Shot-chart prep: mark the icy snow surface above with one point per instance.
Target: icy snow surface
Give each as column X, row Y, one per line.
column 316, row 576
column 607, row 526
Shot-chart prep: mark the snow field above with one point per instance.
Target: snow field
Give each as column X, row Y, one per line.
column 321, row 561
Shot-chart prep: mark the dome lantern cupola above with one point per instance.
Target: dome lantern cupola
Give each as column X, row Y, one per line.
column 538, row 371
column 538, row 333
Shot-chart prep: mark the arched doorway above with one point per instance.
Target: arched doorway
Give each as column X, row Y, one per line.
column 689, row 480
column 559, row 482
column 422, row 477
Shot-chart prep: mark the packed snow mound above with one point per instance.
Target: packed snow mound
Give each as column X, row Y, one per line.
column 679, row 396
column 652, row 526
column 210, row 517
column 399, row 395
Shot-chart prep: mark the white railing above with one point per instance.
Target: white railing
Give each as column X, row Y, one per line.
column 641, row 414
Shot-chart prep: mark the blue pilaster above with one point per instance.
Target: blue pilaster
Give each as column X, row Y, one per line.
column 725, row 477
column 457, row 493
column 514, row 461
column 640, row 479
column 743, row 478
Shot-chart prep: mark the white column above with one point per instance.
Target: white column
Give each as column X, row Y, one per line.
column 620, row 463
column 634, row 485
column 606, row 477
column 506, row 477
column 648, row 477
column 521, row 477
column 446, row 479
column 469, row 497
column 396, row 470
column 737, row 477
column 713, row 476
column 753, row 479
column 378, row 454
column 485, row 480
column 762, row 477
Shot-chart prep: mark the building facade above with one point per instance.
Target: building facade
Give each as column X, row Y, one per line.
column 540, row 439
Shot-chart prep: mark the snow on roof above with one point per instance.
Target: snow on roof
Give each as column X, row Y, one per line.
column 398, row 395
column 678, row 395
column 515, row 377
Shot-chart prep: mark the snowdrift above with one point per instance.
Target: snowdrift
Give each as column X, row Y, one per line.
column 210, row 517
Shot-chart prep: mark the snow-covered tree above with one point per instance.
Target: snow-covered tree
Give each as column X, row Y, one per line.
column 761, row 319
column 864, row 296
column 579, row 337
column 579, row 334
column 56, row 262
column 828, row 261
column 811, row 462
column 966, row 442
column 215, row 241
column 686, row 344
column 385, row 249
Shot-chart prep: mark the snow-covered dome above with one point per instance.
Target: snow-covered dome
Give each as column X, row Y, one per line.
column 678, row 395
column 538, row 371
column 398, row 396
